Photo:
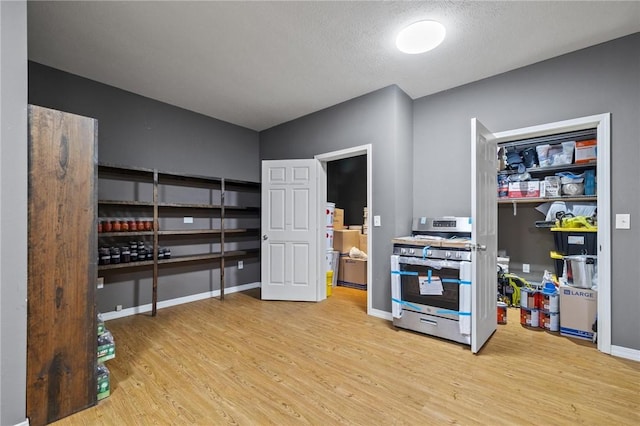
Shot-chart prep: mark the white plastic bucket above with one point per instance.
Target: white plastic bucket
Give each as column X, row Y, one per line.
column 329, row 238
column 331, row 209
column 329, row 260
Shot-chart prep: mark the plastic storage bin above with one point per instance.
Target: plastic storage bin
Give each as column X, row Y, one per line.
column 570, row 241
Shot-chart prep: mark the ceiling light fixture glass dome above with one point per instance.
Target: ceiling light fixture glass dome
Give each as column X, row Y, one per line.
column 420, row 37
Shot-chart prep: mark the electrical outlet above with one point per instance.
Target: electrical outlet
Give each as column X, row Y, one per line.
column 100, row 282
column 376, row 221
column 525, row 268
column 118, row 308
column 240, row 264
column 188, row 219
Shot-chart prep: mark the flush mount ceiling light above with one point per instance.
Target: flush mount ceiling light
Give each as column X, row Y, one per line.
column 420, row 37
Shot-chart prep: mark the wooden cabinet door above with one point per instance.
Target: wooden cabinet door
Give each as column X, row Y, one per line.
column 61, row 321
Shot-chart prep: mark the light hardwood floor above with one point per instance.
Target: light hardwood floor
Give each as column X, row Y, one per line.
column 247, row 362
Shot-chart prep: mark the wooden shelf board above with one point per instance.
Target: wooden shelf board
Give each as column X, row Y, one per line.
column 126, row 203
column 192, row 258
column 241, row 230
column 239, row 185
column 242, row 253
column 167, row 178
column 125, row 234
column 112, row 171
column 129, row 265
column 242, row 208
column 191, row 232
column 189, row 206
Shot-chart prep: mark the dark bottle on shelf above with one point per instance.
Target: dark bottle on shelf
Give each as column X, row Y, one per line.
column 115, row 255
column 125, row 254
column 105, row 256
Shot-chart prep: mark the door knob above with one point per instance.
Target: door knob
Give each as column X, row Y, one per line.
column 264, row 237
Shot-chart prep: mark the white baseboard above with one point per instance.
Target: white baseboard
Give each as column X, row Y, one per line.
column 380, row 314
column 622, row 352
column 24, row 423
column 177, row 301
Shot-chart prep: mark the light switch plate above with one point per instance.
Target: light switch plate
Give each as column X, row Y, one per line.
column 188, row 219
column 376, row 221
column 240, row 264
column 623, row 221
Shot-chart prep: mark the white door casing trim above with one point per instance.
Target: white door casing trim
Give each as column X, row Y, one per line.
column 602, row 123
column 322, row 194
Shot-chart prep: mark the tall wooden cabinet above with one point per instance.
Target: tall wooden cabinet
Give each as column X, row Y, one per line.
column 62, row 241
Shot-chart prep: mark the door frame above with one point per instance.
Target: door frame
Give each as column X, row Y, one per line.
column 602, row 123
column 322, row 200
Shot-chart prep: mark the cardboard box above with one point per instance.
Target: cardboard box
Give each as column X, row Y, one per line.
column 578, row 310
column 338, row 219
column 344, row 239
column 362, row 245
column 530, row 188
column 586, row 151
column 352, row 271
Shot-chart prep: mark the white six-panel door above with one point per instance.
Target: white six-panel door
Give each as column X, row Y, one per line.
column 290, row 260
column 484, row 234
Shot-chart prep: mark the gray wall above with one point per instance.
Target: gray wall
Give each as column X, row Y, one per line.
column 13, row 211
column 382, row 119
column 138, row 131
column 603, row 78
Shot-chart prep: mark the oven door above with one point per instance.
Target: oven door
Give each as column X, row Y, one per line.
column 430, row 286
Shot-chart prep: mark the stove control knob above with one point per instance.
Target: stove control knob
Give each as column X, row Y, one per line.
column 403, row 251
column 429, row 253
column 447, row 254
column 412, row 251
column 458, row 255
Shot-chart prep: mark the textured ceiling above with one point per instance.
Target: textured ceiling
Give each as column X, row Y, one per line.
column 259, row 64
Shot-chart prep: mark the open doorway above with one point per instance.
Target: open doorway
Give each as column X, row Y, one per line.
column 348, row 183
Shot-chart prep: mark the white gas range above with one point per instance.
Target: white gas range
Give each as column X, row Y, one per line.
column 431, row 278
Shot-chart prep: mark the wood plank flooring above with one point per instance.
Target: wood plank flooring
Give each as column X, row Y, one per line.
column 247, row 362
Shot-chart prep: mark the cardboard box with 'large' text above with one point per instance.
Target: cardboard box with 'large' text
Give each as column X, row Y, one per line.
column 578, row 311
